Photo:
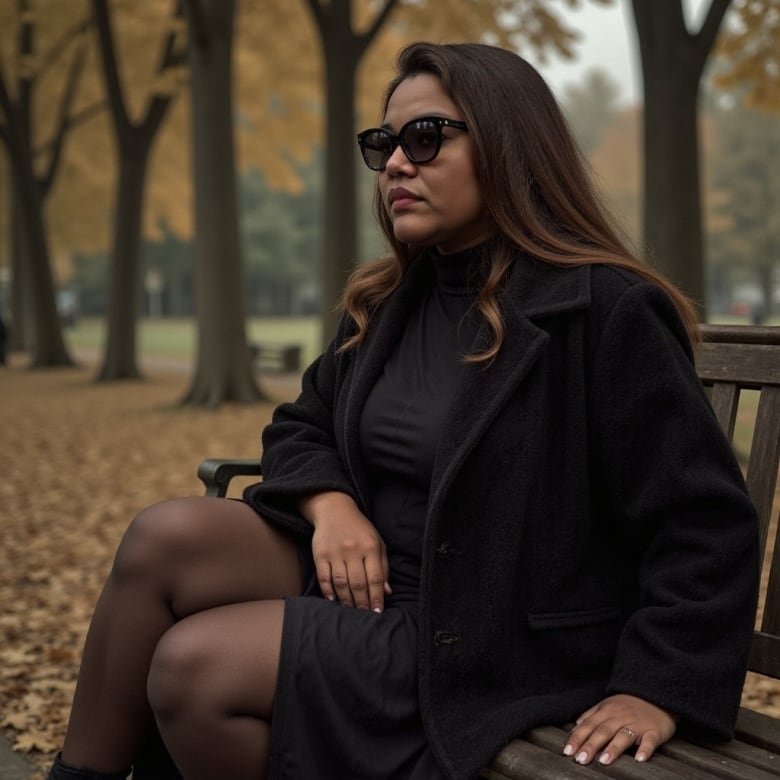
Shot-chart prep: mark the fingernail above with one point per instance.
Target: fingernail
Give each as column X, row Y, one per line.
column 604, row 758
column 568, row 750
column 582, row 758
column 640, row 757
column 330, row 598
column 377, row 609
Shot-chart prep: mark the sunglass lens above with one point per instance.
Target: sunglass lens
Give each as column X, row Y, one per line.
column 377, row 148
column 422, row 140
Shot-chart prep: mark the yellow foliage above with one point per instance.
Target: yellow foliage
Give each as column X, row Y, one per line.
column 278, row 92
column 748, row 51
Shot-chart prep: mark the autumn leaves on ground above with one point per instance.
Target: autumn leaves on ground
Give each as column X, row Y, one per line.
column 78, row 461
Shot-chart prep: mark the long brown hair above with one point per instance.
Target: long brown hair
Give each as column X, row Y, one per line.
column 533, row 179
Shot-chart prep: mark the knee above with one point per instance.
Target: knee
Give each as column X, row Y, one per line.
column 178, row 674
column 158, row 537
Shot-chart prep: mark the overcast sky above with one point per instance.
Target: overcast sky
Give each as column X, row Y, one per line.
column 608, row 42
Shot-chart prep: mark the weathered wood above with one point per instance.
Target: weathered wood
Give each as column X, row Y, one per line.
column 718, row 764
column 752, row 365
column 744, row 753
column 758, row 729
column 520, row 760
column 765, row 457
column 625, row 768
column 741, row 334
column 725, row 401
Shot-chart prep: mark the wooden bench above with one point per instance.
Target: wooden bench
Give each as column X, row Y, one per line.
column 731, row 359
column 281, row 358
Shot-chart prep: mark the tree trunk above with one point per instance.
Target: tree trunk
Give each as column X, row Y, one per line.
column 341, row 56
column 672, row 64
column 342, row 49
column 21, row 294
column 134, row 142
column 35, row 288
column 48, row 346
column 224, row 369
column 119, row 359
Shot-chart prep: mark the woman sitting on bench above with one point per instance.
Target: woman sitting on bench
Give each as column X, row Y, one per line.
column 501, row 499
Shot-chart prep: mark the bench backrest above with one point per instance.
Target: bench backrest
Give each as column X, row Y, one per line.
column 730, row 359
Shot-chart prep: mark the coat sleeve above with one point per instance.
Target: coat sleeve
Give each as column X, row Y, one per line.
column 682, row 518
column 300, row 454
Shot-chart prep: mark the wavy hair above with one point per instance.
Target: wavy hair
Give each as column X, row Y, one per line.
column 533, row 178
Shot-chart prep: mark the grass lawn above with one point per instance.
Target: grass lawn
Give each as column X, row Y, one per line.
column 176, row 337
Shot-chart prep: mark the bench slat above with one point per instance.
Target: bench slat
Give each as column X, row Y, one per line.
column 765, row 656
column 625, row 768
column 765, row 457
column 758, row 729
column 741, row 334
column 752, row 365
column 520, row 760
column 676, row 759
column 724, row 399
column 719, row 765
column 759, row 758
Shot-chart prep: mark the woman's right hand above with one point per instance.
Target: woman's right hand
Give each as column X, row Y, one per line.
column 349, row 555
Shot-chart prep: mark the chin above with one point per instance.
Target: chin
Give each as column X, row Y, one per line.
column 412, row 236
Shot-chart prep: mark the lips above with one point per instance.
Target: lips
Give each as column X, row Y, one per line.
column 400, row 197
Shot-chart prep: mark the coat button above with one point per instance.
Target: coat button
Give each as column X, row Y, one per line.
column 447, row 550
column 445, row 638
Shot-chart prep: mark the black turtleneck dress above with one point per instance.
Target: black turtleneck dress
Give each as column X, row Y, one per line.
column 347, row 703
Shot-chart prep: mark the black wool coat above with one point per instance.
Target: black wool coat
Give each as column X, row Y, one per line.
column 588, row 528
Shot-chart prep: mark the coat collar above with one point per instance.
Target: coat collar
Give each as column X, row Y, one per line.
column 533, row 291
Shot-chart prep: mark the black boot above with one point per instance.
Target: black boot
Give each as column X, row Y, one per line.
column 62, row 771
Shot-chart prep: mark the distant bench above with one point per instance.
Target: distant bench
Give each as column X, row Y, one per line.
column 280, row 358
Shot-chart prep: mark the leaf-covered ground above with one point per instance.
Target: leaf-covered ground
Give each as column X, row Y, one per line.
column 78, row 461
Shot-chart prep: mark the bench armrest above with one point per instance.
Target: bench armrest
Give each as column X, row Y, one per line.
column 216, row 473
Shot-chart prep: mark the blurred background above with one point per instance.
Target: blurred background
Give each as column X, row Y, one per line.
column 181, row 179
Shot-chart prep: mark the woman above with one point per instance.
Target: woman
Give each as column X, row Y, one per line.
column 505, row 465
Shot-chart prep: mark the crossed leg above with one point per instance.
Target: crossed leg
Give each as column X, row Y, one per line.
column 206, row 577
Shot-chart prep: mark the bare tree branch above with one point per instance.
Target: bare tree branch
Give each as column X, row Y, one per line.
column 110, row 69
column 369, row 35
column 318, row 13
column 57, row 48
column 709, row 29
column 170, row 57
column 80, row 117
column 5, row 98
column 64, row 124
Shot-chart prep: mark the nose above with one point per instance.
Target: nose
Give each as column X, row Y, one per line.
column 397, row 161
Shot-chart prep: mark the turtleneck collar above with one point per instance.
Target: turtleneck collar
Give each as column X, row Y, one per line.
column 460, row 273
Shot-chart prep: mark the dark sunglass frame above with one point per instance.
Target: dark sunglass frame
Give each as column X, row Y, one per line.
column 393, row 141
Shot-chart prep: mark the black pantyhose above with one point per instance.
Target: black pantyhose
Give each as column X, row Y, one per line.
column 190, row 620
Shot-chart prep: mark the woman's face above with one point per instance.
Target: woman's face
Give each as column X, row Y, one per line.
column 437, row 203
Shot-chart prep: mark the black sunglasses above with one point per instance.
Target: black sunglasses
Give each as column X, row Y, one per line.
column 420, row 139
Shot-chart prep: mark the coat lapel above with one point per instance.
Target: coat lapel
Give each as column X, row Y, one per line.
column 534, row 291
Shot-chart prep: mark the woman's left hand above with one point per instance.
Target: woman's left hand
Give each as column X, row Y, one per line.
column 615, row 724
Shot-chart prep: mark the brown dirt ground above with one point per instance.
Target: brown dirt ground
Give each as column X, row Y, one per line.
column 78, row 461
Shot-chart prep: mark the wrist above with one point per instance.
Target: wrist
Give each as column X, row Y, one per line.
column 316, row 506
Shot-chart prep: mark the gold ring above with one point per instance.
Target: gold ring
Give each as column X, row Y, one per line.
column 631, row 733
